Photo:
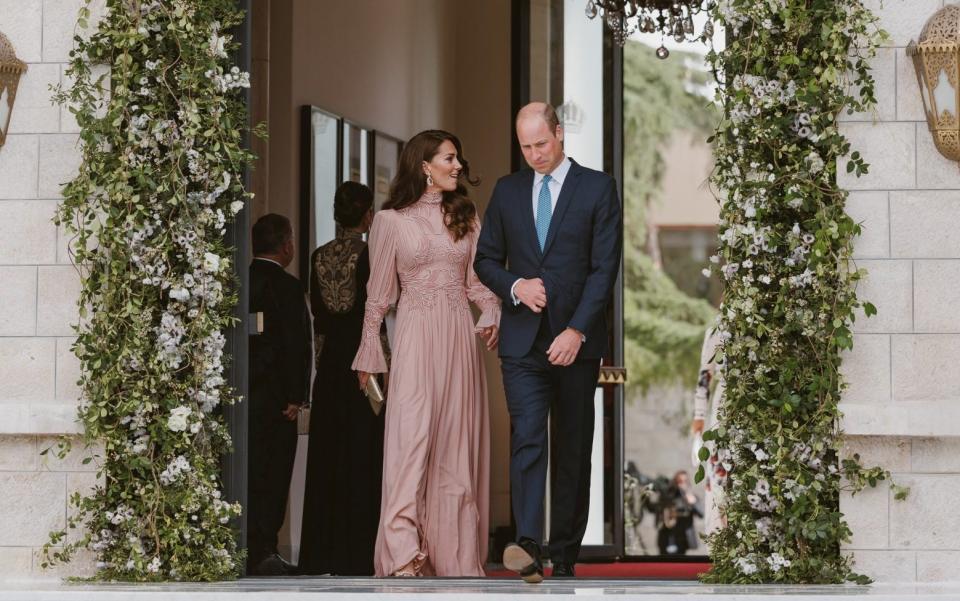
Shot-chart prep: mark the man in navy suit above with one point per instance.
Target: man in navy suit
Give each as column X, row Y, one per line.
column 550, row 249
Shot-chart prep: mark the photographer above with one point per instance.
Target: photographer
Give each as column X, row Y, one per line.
column 677, row 507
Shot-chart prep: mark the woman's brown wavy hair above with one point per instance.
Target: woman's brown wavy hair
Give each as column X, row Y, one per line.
column 410, row 182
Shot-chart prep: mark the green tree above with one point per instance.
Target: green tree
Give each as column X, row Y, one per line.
column 664, row 326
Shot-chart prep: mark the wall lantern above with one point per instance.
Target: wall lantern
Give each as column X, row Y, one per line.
column 11, row 68
column 936, row 57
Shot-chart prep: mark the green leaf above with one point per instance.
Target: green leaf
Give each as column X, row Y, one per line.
column 703, row 454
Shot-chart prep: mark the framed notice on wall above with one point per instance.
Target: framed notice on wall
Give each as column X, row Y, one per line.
column 321, row 166
column 386, row 154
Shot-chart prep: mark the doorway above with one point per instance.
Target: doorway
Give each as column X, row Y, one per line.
column 384, row 71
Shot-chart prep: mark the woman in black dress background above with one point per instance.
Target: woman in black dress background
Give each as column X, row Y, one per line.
column 345, row 453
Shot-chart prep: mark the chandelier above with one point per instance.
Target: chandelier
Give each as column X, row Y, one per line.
column 673, row 18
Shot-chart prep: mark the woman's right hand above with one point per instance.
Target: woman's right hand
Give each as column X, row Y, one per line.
column 363, row 376
column 697, row 426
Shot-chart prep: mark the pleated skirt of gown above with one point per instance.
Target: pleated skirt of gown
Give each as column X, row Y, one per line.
column 436, row 479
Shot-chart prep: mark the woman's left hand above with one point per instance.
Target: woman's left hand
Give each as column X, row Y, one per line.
column 490, row 335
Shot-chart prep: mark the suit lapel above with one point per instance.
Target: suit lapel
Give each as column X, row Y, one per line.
column 566, row 197
column 526, row 211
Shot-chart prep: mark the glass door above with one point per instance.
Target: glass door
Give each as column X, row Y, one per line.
column 566, row 59
column 672, row 218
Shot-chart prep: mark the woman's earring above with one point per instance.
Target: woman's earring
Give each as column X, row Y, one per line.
column 429, row 180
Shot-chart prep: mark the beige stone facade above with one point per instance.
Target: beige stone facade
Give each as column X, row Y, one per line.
column 38, row 291
column 903, row 405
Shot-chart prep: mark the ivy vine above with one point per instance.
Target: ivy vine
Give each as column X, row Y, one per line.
column 788, row 71
column 161, row 119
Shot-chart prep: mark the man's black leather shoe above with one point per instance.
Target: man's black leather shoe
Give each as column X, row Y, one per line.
column 273, row 565
column 524, row 559
column 563, row 570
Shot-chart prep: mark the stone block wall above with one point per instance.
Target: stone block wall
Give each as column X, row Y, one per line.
column 38, row 291
column 902, row 410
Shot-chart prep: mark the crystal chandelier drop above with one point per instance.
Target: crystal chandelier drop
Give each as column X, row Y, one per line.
column 672, row 18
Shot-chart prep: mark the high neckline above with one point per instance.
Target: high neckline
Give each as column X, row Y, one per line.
column 431, row 198
column 345, row 234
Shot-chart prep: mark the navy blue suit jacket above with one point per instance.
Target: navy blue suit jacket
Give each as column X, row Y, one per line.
column 578, row 264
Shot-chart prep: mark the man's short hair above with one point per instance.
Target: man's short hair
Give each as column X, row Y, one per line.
column 549, row 115
column 270, row 232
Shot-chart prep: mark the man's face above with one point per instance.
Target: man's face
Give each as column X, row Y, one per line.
column 541, row 147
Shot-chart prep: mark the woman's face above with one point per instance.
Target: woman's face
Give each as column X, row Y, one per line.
column 444, row 167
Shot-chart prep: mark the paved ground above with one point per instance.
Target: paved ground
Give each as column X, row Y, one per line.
column 322, row 589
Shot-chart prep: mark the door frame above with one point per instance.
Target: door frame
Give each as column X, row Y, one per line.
column 613, row 164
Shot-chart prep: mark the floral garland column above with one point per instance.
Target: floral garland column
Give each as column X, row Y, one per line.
column 789, row 68
column 161, row 177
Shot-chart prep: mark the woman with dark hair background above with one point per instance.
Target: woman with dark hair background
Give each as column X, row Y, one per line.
column 434, row 511
column 345, row 453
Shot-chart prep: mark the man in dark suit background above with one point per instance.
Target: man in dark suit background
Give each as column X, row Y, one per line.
column 550, row 249
column 279, row 383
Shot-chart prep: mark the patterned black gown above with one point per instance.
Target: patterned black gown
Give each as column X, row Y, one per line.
column 345, row 453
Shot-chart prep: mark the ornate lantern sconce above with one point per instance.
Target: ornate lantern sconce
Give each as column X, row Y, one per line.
column 936, row 57
column 11, row 68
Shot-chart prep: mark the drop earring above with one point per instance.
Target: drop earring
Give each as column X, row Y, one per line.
column 429, row 180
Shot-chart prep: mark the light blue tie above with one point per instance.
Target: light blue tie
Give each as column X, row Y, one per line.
column 544, row 211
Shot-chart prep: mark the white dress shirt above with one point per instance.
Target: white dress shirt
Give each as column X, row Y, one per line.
column 269, row 261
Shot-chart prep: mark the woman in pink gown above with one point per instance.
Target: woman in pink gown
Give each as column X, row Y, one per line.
column 434, row 505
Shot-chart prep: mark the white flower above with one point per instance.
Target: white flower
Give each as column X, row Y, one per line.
column 154, row 565
column 176, row 467
column 211, row 262
column 746, row 566
column 180, row 294
column 177, row 422
column 762, row 487
column 706, row 272
column 217, row 43
column 236, row 206
column 763, row 526
column 777, row 562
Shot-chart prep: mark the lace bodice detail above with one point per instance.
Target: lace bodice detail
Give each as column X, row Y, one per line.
column 414, row 258
column 335, row 268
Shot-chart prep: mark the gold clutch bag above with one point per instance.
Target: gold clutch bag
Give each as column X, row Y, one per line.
column 374, row 394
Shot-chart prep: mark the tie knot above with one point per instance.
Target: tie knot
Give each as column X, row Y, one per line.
column 547, row 179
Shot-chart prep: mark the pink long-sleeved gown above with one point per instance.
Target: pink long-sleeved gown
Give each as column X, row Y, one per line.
column 435, row 500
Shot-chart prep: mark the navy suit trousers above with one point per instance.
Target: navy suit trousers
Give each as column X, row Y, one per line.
column 534, row 390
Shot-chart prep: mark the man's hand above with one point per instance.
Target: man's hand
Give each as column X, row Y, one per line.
column 490, row 336
column 291, row 412
column 565, row 347
column 697, row 426
column 532, row 294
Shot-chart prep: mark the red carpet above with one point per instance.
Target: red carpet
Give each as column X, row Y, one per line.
column 647, row 570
